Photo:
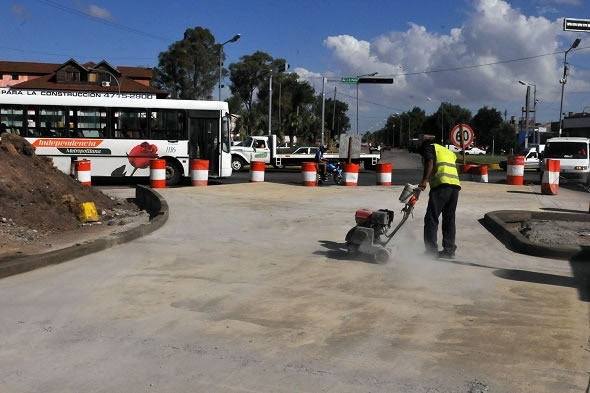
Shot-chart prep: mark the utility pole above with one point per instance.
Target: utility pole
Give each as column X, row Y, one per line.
column 323, row 105
column 334, row 115
column 526, row 115
column 269, row 103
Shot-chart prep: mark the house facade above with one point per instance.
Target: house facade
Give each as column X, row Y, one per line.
column 73, row 76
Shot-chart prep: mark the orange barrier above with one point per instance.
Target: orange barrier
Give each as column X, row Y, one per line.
column 479, row 173
column 257, row 171
column 550, row 183
column 199, row 172
column 515, row 170
column 158, row 173
column 383, row 172
column 310, row 174
column 83, row 172
column 350, row 174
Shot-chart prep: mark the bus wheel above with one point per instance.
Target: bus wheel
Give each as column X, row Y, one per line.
column 237, row 164
column 173, row 173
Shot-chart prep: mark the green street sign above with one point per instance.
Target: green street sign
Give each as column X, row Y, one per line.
column 349, row 80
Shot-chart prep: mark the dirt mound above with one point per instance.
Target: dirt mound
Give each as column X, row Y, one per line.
column 37, row 199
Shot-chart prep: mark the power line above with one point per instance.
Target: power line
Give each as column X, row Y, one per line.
column 102, row 21
column 74, row 56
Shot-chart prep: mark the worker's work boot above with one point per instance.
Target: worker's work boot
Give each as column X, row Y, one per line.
column 446, row 254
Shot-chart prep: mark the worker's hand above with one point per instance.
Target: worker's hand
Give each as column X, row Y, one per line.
column 422, row 185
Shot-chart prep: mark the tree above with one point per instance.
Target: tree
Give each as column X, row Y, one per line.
column 341, row 120
column 249, row 76
column 189, row 68
column 485, row 123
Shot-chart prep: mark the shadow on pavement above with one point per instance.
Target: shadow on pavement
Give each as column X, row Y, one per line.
column 339, row 252
column 554, row 209
column 524, row 192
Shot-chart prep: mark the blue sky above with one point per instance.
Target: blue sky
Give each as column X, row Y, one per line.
column 333, row 39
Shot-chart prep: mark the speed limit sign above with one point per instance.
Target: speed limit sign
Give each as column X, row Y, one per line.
column 468, row 135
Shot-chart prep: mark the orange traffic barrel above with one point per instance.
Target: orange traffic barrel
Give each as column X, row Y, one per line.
column 158, row 173
column 83, row 172
column 310, row 174
column 515, row 170
column 550, row 183
column 350, row 174
column 257, row 171
column 479, row 173
column 383, row 172
column 199, row 172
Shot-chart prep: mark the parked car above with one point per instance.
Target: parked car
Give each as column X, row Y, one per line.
column 305, row 150
column 474, row 151
column 531, row 160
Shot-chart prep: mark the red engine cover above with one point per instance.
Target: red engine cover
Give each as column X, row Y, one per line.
column 363, row 216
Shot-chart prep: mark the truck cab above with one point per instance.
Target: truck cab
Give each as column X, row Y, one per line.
column 254, row 148
column 573, row 154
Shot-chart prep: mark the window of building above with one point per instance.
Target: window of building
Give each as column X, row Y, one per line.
column 129, row 123
column 12, row 119
column 14, row 77
column 168, row 124
column 73, row 76
column 92, row 77
column 1, row 76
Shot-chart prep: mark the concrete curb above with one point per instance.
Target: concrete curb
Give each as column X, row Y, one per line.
column 146, row 199
column 497, row 223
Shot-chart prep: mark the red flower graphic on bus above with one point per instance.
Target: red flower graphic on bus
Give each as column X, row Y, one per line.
column 139, row 157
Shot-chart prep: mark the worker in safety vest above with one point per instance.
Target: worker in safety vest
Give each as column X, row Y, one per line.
column 441, row 172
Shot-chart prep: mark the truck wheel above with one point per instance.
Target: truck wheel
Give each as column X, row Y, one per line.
column 237, row 163
column 173, row 173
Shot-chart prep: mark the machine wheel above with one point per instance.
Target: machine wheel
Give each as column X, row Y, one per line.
column 173, row 173
column 381, row 256
column 352, row 248
column 337, row 178
column 237, row 163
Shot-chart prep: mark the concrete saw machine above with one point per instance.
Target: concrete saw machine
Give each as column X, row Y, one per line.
column 370, row 236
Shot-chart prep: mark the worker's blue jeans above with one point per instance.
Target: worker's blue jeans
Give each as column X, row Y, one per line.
column 443, row 199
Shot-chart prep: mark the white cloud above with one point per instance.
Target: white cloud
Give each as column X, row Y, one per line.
column 568, row 2
column 492, row 32
column 97, row 12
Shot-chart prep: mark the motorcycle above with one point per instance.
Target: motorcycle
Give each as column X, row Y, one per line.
column 334, row 170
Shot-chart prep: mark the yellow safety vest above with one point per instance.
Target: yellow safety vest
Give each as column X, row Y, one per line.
column 444, row 170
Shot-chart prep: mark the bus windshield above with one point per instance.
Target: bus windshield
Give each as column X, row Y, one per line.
column 571, row 150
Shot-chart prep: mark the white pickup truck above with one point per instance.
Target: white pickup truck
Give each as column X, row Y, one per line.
column 263, row 148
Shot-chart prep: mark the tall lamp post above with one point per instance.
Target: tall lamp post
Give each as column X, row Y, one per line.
column 357, row 99
column 233, row 39
column 400, row 129
column 109, row 73
column 442, row 114
column 538, row 138
column 564, row 79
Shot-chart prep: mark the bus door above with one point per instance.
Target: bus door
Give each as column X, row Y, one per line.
column 204, row 139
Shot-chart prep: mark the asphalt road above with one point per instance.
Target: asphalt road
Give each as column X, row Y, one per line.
column 407, row 168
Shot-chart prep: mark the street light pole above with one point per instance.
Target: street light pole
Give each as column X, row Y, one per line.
column 233, row 39
column 564, row 79
column 357, row 99
column 109, row 73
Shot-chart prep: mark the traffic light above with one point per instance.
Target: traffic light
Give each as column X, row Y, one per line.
column 375, row 80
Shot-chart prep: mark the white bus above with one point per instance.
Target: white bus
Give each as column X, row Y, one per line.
column 119, row 134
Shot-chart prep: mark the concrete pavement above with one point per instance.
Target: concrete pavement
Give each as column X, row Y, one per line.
column 248, row 288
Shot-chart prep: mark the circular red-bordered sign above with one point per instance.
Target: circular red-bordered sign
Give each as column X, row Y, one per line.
column 468, row 135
